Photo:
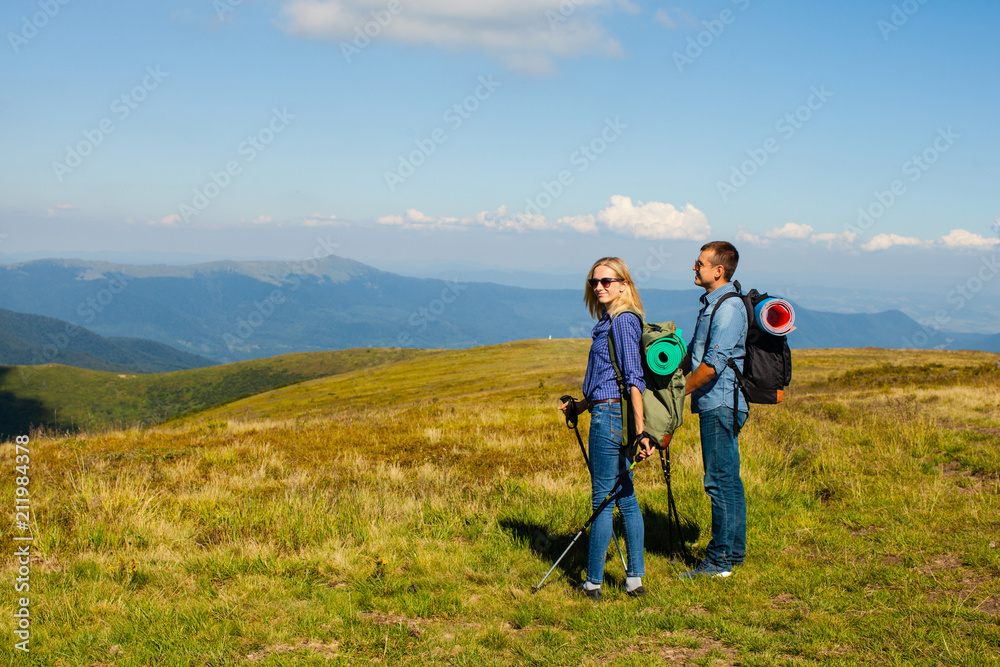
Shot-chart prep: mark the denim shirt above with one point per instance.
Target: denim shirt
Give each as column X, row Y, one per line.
column 600, row 381
column 729, row 331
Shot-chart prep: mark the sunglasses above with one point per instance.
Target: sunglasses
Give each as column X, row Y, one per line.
column 605, row 282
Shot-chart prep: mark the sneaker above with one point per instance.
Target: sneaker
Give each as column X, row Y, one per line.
column 594, row 594
column 637, row 592
column 707, row 568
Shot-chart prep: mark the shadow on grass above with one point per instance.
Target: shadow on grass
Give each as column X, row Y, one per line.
column 19, row 415
column 666, row 538
column 549, row 546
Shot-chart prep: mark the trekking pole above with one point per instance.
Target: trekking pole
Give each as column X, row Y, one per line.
column 593, row 517
column 571, row 420
column 672, row 516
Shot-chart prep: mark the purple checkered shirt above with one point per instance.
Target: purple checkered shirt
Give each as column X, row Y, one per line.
column 600, row 382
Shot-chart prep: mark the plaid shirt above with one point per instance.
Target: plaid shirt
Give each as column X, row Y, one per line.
column 600, row 381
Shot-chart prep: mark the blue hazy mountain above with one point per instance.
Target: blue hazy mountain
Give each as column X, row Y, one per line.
column 231, row 311
column 28, row 340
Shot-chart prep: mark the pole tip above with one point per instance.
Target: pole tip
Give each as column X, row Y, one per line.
column 534, row 589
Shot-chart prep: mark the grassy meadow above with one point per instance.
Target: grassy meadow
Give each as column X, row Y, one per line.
column 401, row 513
column 65, row 398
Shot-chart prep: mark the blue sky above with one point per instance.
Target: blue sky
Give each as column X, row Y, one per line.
column 255, row 129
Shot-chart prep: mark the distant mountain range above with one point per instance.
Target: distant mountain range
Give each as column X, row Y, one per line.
column 232, row 311
column 29, row 340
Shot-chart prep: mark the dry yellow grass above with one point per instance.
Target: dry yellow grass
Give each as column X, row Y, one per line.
column 254, row 533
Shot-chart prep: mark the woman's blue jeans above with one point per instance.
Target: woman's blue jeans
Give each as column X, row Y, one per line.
column 608, row 460
column 720, row 452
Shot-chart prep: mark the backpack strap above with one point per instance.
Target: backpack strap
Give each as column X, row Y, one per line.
column 738, row 292
column 738, row 384
column 619, row 377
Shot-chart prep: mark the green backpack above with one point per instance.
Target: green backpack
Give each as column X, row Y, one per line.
column 662, row 349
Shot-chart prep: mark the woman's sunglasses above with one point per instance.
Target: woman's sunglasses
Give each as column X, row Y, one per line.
column 605, row 282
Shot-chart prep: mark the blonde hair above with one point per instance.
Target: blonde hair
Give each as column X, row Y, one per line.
column 627, row 300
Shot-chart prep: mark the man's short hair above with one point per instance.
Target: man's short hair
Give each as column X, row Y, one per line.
column 725, row 254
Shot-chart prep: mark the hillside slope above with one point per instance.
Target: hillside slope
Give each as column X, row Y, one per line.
column 63, row 397
column 408, row 522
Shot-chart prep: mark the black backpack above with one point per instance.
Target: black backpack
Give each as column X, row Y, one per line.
column 767, row 366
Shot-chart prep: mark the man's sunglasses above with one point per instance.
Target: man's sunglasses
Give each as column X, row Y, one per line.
column 606, row 282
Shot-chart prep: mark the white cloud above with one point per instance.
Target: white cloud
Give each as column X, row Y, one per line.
column 503, row 220
column 654, row 220
column 415, row 219
column 261, row 220
column 849, row 241
column 317, row 220
column 172, row 220
column 844, row 241
column 585, row 224
column 526, row 34
column 663, row 18
column 743, row 236
column 51, row 212
column 886, row 241
column 960, row 238
column 790, row 230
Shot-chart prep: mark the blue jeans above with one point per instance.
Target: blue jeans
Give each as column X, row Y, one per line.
column 720, row 453
column 608, row 460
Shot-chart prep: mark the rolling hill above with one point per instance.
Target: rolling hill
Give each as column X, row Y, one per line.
column 402, row 513
column 67, row 398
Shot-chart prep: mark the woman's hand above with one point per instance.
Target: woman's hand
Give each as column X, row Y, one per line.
column 646, row 448
column 581, row 405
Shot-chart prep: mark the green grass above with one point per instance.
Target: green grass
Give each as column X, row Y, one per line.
column 401, row 515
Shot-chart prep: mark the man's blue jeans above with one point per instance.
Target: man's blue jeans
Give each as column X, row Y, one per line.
column 608, row 460
column 720, row 453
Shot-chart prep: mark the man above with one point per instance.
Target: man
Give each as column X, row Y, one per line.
column 711, row 385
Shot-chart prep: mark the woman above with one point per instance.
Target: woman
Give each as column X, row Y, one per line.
column 610, row 291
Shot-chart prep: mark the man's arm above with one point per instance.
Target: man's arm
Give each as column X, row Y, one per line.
column 702, row 375
column 724, row 338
